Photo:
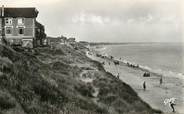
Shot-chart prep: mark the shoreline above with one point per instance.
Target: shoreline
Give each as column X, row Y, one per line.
column 158, row 72
column 155, row 94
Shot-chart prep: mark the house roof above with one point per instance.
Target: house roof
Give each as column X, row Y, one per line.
column 20, row 12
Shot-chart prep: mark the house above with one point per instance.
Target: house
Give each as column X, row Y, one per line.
column 71, row 40
column 53, row 40
column 84, row 43
column 18, row 26
column 40, row 34
column 63, row 40
column 57, row 40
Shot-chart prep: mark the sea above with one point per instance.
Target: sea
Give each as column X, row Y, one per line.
column 166, row 59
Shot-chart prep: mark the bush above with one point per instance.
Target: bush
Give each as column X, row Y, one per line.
column 85, row 90
column 57, row 52
column 5, row 65
column 9, row 53
column 48, row 93
column 6, row 102
column 60, row 66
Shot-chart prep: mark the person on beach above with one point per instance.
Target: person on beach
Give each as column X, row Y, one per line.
column 146, row 74
column 161, row 80
column 111, row 57
column 116, row 63
column 144, row 85
column 118, row 76
column 137, row 66
column 172, row 105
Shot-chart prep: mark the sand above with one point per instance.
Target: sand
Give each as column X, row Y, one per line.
column 155, row 94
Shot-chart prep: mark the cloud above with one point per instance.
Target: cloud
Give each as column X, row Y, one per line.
column 85, row 18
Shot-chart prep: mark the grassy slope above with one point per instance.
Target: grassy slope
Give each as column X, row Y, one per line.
column 49, row 82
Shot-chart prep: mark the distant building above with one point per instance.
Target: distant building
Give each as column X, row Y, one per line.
column 83, row 42
column 71, row 40
column 19, row 27
column 53, row 40
column 63, row 40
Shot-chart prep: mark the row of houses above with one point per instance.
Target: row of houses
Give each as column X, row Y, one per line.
column 18, row 26
column 60, row 40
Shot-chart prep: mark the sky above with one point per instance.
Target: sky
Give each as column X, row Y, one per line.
column 110, row 20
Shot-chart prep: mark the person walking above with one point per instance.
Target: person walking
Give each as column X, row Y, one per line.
column 144, row 85
column 172, row 105
column 161, row 80
column 118, row 76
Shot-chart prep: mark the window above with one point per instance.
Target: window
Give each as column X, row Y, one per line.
column 20, row 21
column 21, row 30
column 8, row 30
column 8, row 21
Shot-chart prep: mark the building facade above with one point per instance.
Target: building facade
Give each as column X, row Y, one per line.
column 20, row 26
column 40, row 35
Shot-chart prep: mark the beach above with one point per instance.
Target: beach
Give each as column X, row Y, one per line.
column 155, row 94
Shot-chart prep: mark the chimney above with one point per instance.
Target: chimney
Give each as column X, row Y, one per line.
column 2, row 26
column 2, row 13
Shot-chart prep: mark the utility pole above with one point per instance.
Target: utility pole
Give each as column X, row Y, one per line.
column 3, row 26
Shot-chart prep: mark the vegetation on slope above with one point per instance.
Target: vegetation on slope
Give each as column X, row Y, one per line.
column 49, row 81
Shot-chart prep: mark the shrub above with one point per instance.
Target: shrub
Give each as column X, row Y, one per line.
column 85, row 90
column 49, row 93
column 57, row 52
column 9, row 53
column 6, row 102
column 60, row 66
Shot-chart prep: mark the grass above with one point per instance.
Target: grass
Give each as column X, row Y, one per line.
column 47, row 81
column 6, row 102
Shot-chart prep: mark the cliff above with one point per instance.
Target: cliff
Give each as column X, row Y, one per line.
column 62, row 80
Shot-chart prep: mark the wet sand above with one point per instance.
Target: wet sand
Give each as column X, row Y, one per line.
column 155, row 94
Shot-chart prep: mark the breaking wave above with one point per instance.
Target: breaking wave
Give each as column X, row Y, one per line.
column 156, row 71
